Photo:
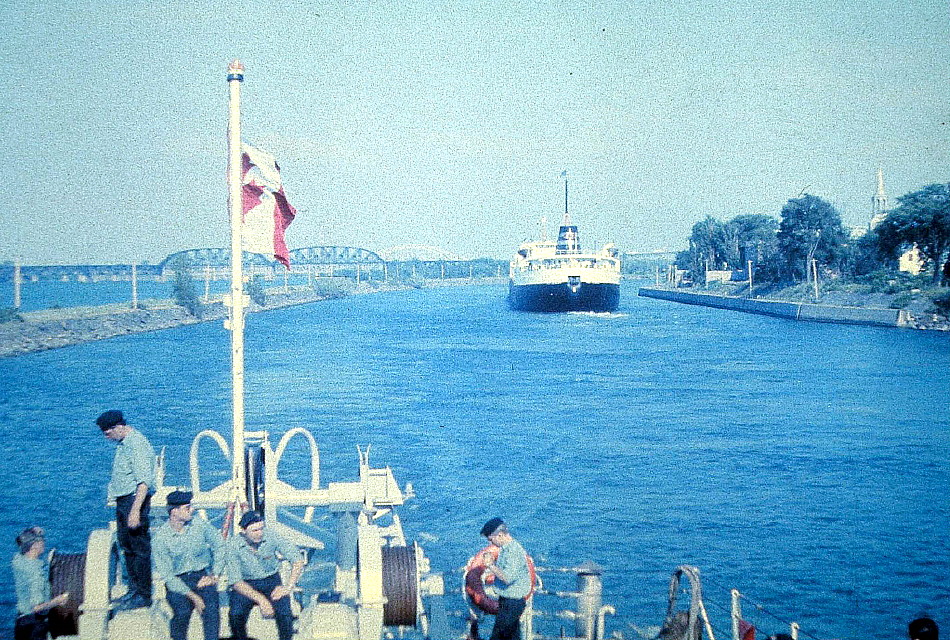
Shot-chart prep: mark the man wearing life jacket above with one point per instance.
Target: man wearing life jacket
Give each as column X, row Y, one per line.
column 512, row 579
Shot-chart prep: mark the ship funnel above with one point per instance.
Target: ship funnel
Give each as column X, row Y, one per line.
column 567, row 239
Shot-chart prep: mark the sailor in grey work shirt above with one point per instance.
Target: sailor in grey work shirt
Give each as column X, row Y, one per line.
column 512, row 578
column 31, row 578
column 131, row 486
column 253, row 560
column 189, row 557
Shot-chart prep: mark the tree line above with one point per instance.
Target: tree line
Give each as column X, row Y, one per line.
column 809, row 237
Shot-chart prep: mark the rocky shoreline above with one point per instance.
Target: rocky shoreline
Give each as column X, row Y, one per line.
column 55, row 328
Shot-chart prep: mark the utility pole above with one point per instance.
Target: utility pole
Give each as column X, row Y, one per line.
column 135, row 287
column 749, row 264
column 16, row 283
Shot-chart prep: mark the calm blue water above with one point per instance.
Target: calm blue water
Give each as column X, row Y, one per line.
column 806, row 465
column 52, row 294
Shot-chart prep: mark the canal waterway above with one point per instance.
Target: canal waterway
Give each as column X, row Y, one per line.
column 53, row 294
column 805, row 464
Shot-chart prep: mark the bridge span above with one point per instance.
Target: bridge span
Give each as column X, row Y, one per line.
column 215, row 264
column 397, row 262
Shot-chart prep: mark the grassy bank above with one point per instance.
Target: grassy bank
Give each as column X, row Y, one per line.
column 928, row 305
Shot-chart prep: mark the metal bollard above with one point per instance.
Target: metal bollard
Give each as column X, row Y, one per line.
column 589, row 592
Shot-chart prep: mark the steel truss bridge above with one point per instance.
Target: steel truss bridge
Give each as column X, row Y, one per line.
column 320, row 260
column 215, row 263
column 313, row 261
column 323, row 256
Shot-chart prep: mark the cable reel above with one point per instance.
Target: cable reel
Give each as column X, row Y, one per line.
column 400, row 586
column 67, row 573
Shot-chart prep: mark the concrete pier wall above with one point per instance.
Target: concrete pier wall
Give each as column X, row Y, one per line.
column 790, row 310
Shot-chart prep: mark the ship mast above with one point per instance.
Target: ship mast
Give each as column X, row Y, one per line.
column 236, row 300
column 564, row 174
column 567, row 216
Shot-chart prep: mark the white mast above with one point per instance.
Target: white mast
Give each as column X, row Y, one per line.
column 236, row 324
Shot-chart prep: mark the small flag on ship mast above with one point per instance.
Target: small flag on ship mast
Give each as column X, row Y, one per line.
column 267, row 213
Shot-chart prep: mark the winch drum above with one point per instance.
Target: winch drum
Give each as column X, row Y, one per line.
column 400, row 586
column 66, row 574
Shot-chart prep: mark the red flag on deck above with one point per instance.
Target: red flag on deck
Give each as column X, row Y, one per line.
column 267, row 214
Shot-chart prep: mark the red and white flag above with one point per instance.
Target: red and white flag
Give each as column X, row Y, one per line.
column 266, row 210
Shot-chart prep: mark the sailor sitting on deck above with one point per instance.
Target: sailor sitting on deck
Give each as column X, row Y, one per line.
column 189, row 556
column 30, row 575
column 253, row 560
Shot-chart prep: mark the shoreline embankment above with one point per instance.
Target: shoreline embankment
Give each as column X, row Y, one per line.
column 801, row 311
column 47, row 329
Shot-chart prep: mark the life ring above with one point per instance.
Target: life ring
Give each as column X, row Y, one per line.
column 476, row 582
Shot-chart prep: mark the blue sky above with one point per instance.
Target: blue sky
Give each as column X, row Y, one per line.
column 449, row 124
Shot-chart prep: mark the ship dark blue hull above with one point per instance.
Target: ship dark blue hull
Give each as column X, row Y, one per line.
column 599, row 298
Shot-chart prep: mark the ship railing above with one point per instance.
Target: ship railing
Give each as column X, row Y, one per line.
column 725, row 618
column 752, row 620
column 588, row 614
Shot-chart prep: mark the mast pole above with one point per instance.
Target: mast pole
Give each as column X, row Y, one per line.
column 565, row 193
column 235, row 78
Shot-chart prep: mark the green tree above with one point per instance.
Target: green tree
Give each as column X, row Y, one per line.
column 755, row 236
column 810, row 229
column 706, row 248
column 717, row 245
column 254, row 288
column 921, row 218
column 755, row 240
column 864, row 256
column 184, row 290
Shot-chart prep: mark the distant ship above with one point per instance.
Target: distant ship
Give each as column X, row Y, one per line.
column 559, row 276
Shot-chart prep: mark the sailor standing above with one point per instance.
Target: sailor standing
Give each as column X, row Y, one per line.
column 30, row 575
column 512, row 578
column 189, row 557
column 131, row 486
column 253, row 560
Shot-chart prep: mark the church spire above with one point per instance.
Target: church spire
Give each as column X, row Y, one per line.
column 879, row 201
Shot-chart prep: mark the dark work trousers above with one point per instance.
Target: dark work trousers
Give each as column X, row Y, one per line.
column 241, row 608
column 182, row 607
column 32, row 626
column 508, row 619
column 136, row 545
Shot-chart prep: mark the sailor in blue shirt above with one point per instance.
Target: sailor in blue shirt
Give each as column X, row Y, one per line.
column 253, row 560
column 131, row 486
column 33, row 600
column 512, row 579
column 189, row 556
